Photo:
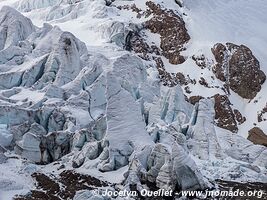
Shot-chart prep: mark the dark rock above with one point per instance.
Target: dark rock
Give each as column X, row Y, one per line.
column 180, row 3
column 187, row 90
column 64, row 186
column 139, row 46
column 259, row 188
column 224, row 115
column 239, row 68
column 261, row 114
column 194, row 99
column 200, row 61
column 257, row 136
column 167, row 78
column 203, row 82
column 172, row 30
column 173, row 36
column 239, row 118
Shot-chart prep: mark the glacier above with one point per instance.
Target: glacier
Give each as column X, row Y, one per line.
column 89, row 86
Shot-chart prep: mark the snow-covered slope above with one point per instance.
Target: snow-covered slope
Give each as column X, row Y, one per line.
column 238, row 22
column 134, row 93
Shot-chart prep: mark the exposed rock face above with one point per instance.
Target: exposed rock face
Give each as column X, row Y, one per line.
column 169, row 79
column 168, row 24
column 171, row 28
column 239, row 68
column 257, row 136
column 64, row 186
column 224, row 115
column 194, row 99
column 238, row 116
column 173, row 38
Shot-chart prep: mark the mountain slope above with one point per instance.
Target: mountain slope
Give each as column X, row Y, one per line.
column 136, row 94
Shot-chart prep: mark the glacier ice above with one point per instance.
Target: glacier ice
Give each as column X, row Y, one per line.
column 60, row 102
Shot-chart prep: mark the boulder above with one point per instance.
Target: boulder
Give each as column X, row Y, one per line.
column 257, row 136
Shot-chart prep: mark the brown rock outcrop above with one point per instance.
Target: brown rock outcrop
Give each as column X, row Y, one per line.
column 261, row 114
column 200, row 61
column 239, row 118
column 172, row 31
column 173, row 36
column 64, row 186
column 194, row 99
column 239, row 68
column 224, row 116
column 169, row 79
column 257, row 136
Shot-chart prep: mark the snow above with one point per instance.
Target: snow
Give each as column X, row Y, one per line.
column 119, row 83
column 237, row 21
column 15, row 178
column 28, row 94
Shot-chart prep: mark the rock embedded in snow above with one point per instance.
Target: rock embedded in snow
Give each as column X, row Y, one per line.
column 257, row 136
column 224, row 114
column 239, row 69
column 195, row 99
column 261, row 114
column 173, row 37
column 172, row 30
